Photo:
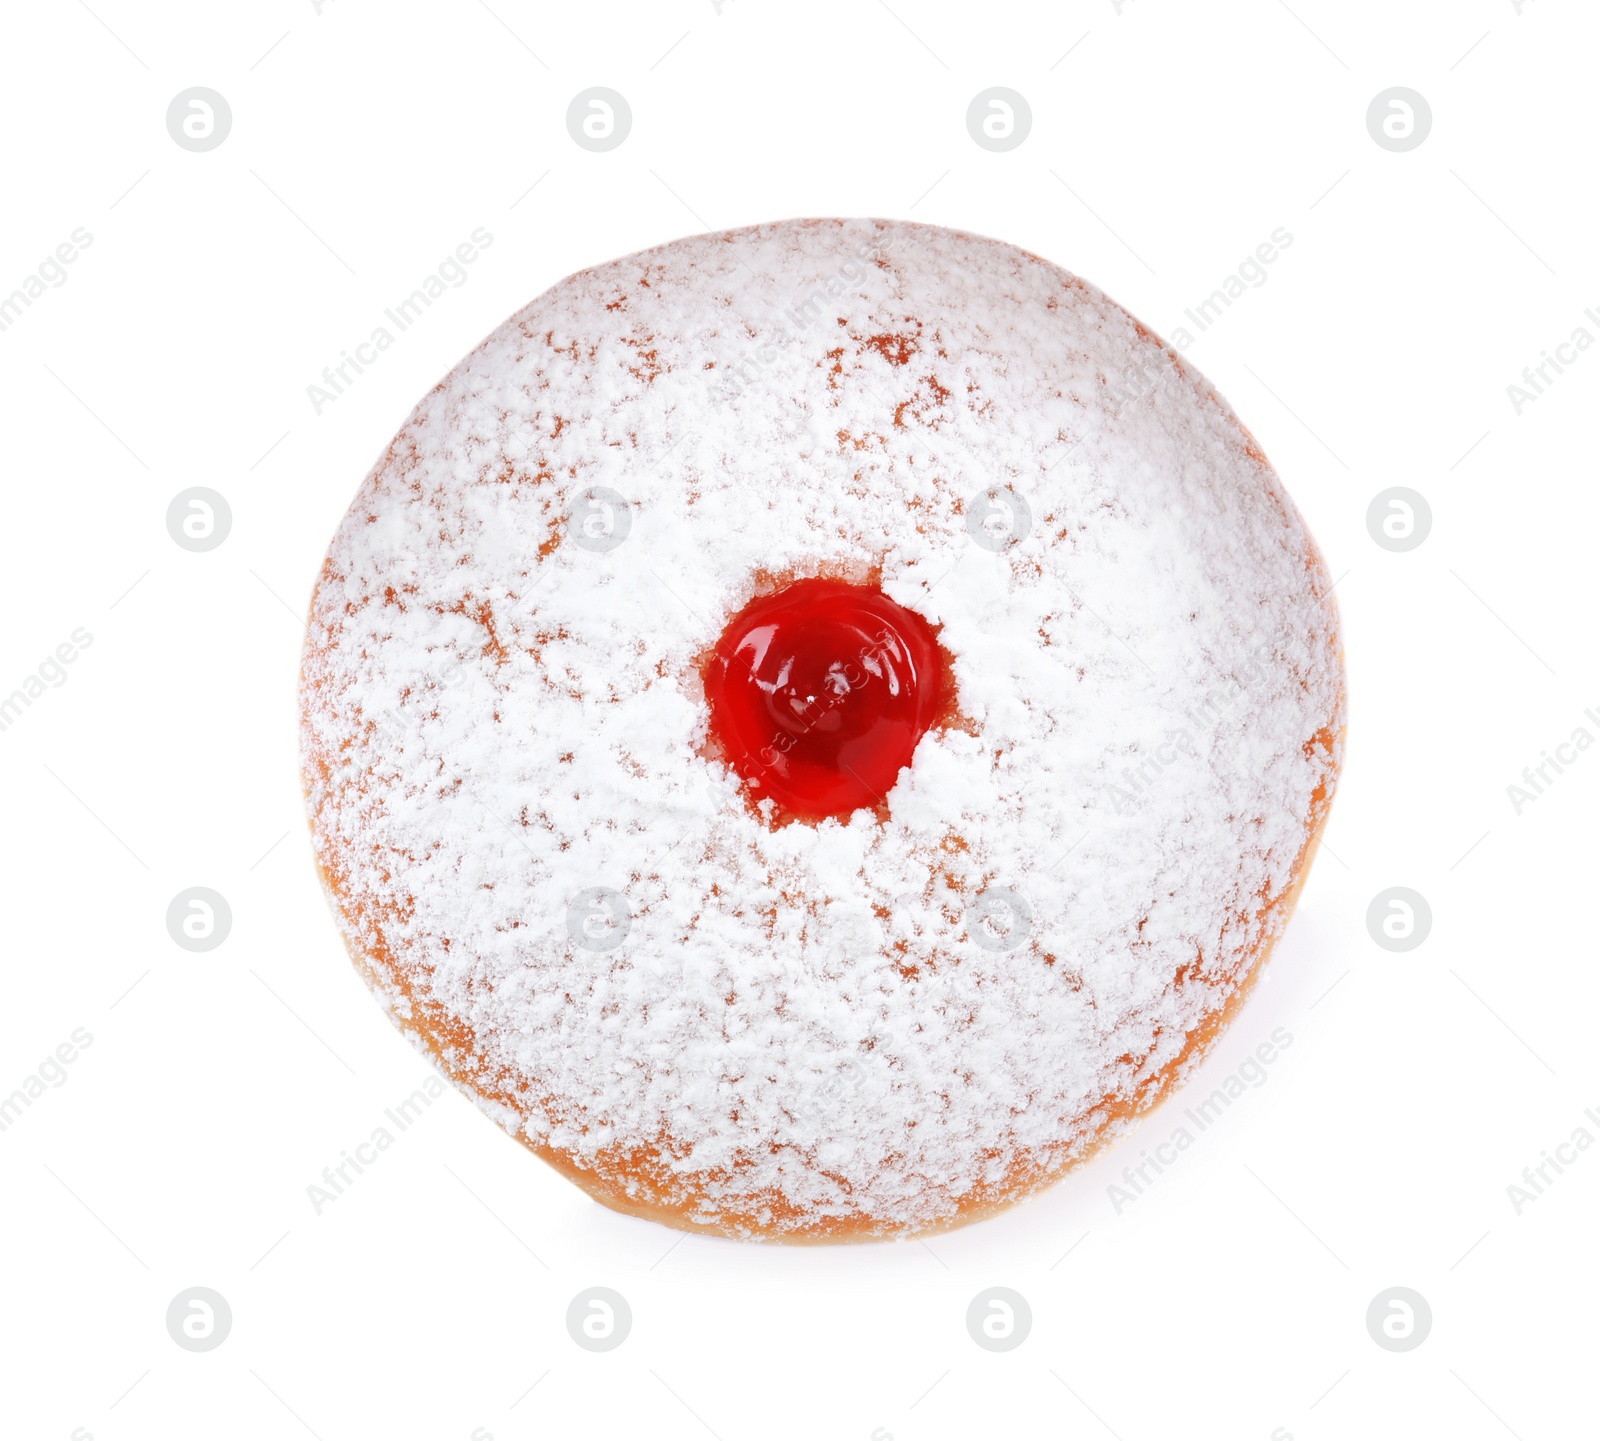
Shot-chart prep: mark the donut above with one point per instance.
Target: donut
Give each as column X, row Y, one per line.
column 816, row 728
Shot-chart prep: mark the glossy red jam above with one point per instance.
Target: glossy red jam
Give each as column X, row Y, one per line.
column 819, row 694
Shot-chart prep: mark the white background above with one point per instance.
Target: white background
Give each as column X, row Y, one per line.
column 1227, row 1302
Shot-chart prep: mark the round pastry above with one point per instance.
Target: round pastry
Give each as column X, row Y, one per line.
column 817, row 727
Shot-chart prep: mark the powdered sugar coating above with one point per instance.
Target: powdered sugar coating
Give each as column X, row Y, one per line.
column 797, row 1034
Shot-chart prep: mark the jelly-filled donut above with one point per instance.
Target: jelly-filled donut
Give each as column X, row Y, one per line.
column 817, row 727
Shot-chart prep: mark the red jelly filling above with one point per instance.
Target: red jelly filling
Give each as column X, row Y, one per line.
column 819, row 694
